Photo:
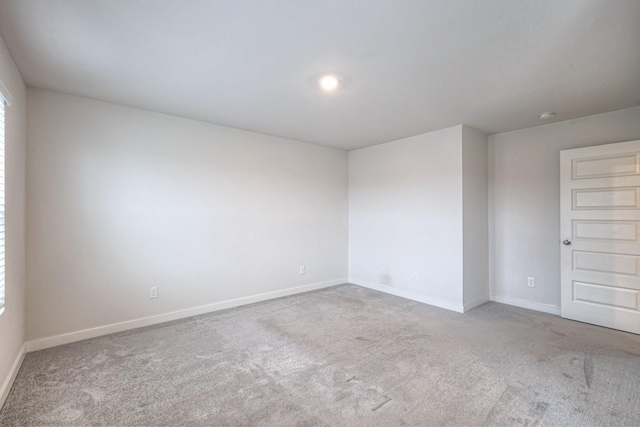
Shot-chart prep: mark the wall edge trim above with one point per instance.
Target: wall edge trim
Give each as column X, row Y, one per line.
column 476, row 303
column 13, row 373
column 537, row 306
column 459, row 308
column 70, row 337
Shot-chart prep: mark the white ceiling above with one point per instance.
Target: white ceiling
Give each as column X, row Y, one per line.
column 408, row 67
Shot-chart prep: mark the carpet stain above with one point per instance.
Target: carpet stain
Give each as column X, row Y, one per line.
column 588, row 369
column 516, row 406
column 64, row 414
column 95, row 394
column 540, row 408
column 382, row 404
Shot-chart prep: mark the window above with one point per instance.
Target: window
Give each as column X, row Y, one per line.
column 2, row 251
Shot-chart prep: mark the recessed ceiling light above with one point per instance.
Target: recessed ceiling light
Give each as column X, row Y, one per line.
column 547, row 115
column 329, row 83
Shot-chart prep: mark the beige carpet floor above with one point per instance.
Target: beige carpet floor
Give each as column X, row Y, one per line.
column 343, row 356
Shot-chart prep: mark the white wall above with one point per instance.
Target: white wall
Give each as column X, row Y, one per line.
column 12, row 321
column 122, row 199
column 525, row 202
column 405, row 216
column 475, row 217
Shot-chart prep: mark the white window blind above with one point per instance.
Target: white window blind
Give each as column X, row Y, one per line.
column 2, row 245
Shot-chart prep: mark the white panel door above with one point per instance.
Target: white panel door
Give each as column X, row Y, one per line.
column 600, row 229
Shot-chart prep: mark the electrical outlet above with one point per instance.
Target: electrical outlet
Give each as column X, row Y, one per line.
column 302, row 269
column 415, row 275
column 153, row 292
column 531, row 282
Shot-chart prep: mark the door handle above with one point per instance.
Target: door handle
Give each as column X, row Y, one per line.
column 566, row 242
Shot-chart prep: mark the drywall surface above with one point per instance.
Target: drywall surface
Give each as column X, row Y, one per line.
column 122, row 199
column 525, row 202
column 12, row 321
column 475, row 217
column 405, row 217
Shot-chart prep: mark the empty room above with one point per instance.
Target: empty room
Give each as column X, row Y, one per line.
column 337, row 213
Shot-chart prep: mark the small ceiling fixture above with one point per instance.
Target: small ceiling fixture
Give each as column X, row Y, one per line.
column 547, row 115
column 329, row 83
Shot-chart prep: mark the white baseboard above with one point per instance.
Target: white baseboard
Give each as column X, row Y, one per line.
column 48, row 342
column 408, row 295
column 545, row 308
column 6, row 387
column 476, row 302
